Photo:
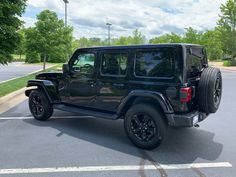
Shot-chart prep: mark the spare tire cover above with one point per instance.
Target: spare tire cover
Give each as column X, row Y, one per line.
column 209, row 90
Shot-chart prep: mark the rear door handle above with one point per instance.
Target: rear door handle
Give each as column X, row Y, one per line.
column 118, row 85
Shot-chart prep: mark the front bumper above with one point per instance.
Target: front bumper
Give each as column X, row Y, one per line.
column 186, row 120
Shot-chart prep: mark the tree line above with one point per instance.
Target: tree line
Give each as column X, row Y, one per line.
column 210, row 39
column 50, row 40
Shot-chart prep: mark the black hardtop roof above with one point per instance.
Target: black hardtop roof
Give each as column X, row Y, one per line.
column 139, row 46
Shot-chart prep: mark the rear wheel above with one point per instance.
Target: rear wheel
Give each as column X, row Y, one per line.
column 210, row 90
column 39, row 105
column 145, row 126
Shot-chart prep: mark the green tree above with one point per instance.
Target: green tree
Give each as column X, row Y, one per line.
column 50, row 38
column 83, row 42
column 32, row 57
column 121, row 41
column 227, row 27
column 166, row 38
column 21, row 47
column 159, row 40
column 9, row 25
column 137, row 38
column 211, row 40
column 192, row 36
column 95, row 42
column 174, row 38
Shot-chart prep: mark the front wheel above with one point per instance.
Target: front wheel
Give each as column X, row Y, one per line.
column 145, row 126
column 39, row 105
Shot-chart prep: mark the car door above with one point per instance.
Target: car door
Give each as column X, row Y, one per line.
column 112, row 79
column 81, row 87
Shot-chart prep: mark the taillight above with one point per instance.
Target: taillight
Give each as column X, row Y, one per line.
column 185, row 94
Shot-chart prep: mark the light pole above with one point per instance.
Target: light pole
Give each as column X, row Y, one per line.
column 66, row 2
column 109, row 33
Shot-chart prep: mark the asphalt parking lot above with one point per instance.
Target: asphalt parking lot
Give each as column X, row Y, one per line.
column 16, row 69
column 70, row 145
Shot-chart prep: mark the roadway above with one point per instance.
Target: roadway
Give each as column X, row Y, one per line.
column 16, row 69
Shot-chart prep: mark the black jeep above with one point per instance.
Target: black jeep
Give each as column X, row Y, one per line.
column 149, row 86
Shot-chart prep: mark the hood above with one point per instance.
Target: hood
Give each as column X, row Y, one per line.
column 49, row 75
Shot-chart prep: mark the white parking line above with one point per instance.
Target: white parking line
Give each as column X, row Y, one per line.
column 53, row 117
column 113, row 168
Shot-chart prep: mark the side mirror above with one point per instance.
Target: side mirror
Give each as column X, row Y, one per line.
column 65, row 69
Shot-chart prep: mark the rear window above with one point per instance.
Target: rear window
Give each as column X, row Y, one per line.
column 114, row 64
column 154, row 63
column 196, row 59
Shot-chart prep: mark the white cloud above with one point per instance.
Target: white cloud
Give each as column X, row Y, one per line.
column 28, row 21
column 88, row 17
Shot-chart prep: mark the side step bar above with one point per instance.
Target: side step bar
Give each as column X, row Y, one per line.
column 85, row 112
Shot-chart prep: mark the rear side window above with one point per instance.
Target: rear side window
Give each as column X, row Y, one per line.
column 114, row 64
column 155, row 63
column 195, row 61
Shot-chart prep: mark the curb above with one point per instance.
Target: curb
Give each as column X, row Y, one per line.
column 11, row 95
column 223, row 68
column 226, row 69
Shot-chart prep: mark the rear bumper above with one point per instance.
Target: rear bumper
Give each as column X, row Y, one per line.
column 186, row 120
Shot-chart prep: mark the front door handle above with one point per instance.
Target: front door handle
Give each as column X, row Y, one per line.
column 91, row 83
column 118, row 85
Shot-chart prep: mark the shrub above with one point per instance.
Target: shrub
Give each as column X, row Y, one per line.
column 229, row 63
column 32, row 57
column 57, row 57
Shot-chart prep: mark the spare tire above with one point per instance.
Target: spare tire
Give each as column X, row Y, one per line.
column 209, row 90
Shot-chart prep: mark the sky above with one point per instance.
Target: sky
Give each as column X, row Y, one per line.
column 151, row 17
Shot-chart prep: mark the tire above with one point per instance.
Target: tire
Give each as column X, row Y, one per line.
column 135, row 131
column 39, row 105
column 209, row 90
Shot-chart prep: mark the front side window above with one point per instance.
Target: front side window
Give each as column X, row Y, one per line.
column 154, row 63
column 114, row 64
column 84, row 64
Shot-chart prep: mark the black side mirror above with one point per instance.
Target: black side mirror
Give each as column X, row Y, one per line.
column 65, row 69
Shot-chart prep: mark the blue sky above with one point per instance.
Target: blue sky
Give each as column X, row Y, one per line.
column 152, row 18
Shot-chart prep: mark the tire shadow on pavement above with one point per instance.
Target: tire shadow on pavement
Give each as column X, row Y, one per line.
column 182, row 145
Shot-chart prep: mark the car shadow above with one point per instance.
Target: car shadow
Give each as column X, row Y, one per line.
column 182, row 145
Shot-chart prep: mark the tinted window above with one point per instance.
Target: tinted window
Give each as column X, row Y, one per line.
column 114, row 64
column 155, row 63
column 195, row 62
column 84, row 63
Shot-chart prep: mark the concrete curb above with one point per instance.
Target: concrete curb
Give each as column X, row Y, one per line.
column 11, row 100
column 227, row 69
column 8, row 97
column 223, row 68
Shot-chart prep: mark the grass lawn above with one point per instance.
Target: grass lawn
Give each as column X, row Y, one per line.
column 16, row 84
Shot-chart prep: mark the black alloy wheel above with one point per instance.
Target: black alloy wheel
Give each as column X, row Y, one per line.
column 145, row 126
column 217, row 91
column 39, row 105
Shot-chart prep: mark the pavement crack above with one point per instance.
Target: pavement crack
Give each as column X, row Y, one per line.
column 141, row 167
column 59, row 134
column 196, row 170
column 156, row 164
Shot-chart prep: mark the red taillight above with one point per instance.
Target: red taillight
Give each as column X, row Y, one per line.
column 185, row 94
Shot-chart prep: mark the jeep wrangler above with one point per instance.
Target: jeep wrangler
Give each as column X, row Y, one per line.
column 151, row 87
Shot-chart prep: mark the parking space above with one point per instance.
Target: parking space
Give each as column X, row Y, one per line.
column 76, row 145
